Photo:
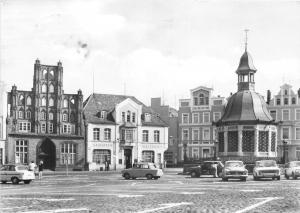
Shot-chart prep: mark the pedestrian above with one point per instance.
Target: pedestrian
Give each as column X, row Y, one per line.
column 32, row 166
column 215, row 169
column 106, row 165
column 41, row 168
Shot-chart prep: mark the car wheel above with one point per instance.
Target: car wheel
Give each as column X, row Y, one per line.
column 149, row 176
column 193, row 174
column 15, row 180
column 273, row 178
column 155, row 178
column 126, row 176
column 286, row 176
column 294, row 176
column 278, row 178
column 3, row 182
column 225, row 179
column 244, row 179
column 27, row 181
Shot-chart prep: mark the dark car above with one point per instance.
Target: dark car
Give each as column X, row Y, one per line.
column 206, row 168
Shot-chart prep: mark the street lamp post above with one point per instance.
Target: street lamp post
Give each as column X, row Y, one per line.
column 216, row 150
column 184, row 152
column 284, row 151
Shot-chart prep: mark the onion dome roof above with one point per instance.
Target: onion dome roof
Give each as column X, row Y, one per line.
column 246, row 64
column 246, row 107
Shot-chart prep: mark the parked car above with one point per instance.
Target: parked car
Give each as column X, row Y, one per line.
column 266, row 169
column 234, row 170
column 16, row 174
column 205, row 168
column 148, row 170
column 292, row 169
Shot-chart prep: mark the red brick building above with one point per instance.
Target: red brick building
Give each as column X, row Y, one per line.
column 44, row 123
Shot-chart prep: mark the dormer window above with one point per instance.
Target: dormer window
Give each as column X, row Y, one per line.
column 147, row 117
column 103, row 114
column 128, row 116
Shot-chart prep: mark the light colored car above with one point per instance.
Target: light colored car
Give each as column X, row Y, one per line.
column 292, row 169
column 16, row 174
column 266, row 169
column 234, row 170
column 148, row 170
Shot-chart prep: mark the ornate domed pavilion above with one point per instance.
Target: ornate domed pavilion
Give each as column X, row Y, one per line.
column 246, row 127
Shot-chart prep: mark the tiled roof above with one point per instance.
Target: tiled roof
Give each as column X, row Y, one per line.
column 96, row 103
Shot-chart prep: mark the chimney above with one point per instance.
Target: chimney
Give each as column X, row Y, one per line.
column 268, row 96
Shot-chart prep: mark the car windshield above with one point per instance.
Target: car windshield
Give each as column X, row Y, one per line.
column 22, row 168
column 234, row 164
column 295, row 164
column 268, row 163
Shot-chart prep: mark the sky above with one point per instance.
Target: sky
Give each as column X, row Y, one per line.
column 151, row 48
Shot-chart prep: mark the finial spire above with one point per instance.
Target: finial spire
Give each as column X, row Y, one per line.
column 246, row 39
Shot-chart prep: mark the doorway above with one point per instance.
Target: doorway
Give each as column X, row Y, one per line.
column 128, row 158
column 46, row 152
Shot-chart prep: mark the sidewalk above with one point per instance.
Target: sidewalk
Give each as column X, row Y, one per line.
column 49, row 172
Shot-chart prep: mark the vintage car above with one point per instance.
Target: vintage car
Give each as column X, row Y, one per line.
column 234, row 170
column 266, row 169
column 205, row 168
column 292, row 169
column 148, row 170
column 16, row 174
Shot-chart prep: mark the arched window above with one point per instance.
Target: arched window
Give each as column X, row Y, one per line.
column 50, row 116
column 44, row 88
column 51, row 74
column 43, row 102
column 45, row 74
column 28, row 100
column 72, row 117
column 65, row 103
column 43, row 115
column 65, row 117
column 28, row 114
column 51, row 102
column 21, row 114
column 51, row 88
column 21, row 100
column 128, row 116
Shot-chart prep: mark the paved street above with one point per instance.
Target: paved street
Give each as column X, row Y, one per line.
column 109, row 192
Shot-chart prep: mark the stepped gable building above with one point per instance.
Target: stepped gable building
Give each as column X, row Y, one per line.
column 44, row 123
column 285, row 108
column 121, row 130
column 246, row 127
column 196, row 132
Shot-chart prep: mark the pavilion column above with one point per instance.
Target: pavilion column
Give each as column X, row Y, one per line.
column 240, row 140
column 225, row 142
column 256, row 141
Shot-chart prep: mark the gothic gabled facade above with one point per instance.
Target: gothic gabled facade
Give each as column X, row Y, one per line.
column 44, row 123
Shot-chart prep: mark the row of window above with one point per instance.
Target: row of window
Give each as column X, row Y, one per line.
column 128, row 116
column 107, row 134
column 286, row 133
column 286, row 101
column 146, row 136
column 66, row 128
column 285, row 115
column 195, row 153
column 196, row 134
column 196, row 118
column 43, row 101
column 65, row 116
column 68, row 152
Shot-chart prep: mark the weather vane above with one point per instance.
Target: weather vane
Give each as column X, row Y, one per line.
column 246, row 39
